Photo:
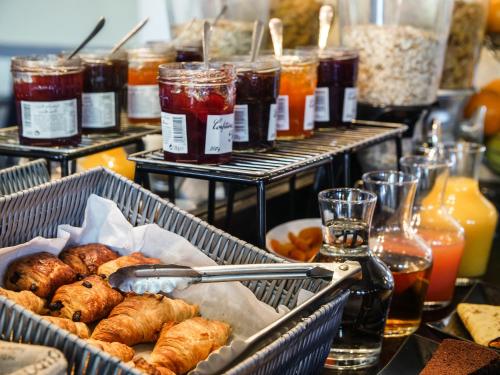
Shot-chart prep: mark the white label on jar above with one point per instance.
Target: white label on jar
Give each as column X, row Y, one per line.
column 271, row 131
column 322, row 104
column 350, row 104
column 309, row 113
column 174, row 132
column 143, row 101
column 219, row 139
column 282, row 119
column 98, row 110
column 240, row 123
column 57, row 119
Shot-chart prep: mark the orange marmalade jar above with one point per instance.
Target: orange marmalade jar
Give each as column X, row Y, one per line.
column 143, row 104
column 295, row 104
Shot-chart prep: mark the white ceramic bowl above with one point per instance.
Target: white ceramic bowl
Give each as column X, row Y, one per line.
column 280, row 232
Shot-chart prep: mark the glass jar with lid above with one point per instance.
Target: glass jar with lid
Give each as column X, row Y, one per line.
column 336, row 94
column 197, row 111
column 467, row 28
column 142, row 90
column 295, row 104
column 102, row 92
column 257, row 88
column 48, row 94
column 401, row 48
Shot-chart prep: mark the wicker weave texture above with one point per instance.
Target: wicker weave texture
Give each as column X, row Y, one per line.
column 23, row 177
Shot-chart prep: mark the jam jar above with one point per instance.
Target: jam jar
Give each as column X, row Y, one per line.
column 48, row 94
column 188, row 53
column 102, row 89
column 257, row 88
column 197, row 111
column 336, row 94
column 142, row 90
column 295, row 104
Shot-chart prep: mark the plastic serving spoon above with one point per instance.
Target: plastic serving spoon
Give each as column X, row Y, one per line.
column 276, row 29
column 167, row 278
column 206, row 43
column 326, row 15
column 129, row 35
column 93, row 33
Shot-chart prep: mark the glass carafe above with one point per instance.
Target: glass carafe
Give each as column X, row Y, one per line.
column 470, row 208
column 346, row 215
column 436, row 226
column 405, row 253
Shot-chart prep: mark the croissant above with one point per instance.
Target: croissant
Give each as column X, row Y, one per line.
column 151, row 369
column 42, row 273
column 122, row 351
column 133, row 259
column 77, row 328
column 85, row 301
column 86, row 259
column 26, row 299
column 139, row 319
column 180, row 347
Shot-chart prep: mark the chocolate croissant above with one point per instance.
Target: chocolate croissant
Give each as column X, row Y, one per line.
column 122, row 351
column 26, row 299
column 139, row 319
column 77, row 328
column 42, row 273
column 181, row 346
column 85, row 301
column 133, row 259
column 86, row 259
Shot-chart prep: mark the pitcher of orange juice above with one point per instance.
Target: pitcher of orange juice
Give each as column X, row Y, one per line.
column 436, row 226
column 469, row 207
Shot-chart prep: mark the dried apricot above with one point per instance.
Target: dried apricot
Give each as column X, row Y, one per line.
column 298, row 242
column 298, row 255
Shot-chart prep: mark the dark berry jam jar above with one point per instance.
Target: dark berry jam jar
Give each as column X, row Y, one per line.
column 102, row 89
column 336, row 94
column 188, row 54
column 197, row 112
column 48, row 93
column 257, row 88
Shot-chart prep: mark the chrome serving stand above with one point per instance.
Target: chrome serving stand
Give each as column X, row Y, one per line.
column 287, row 160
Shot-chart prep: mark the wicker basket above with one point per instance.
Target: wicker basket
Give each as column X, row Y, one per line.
column 297, row 344
column 23, row 177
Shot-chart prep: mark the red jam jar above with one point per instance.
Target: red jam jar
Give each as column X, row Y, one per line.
column 197, row 112
column 102, row 90
column 336, row 94
column 48, row 93
column 257, row 88
column 142, row 90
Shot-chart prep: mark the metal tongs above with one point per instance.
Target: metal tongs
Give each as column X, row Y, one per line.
column 167, row 278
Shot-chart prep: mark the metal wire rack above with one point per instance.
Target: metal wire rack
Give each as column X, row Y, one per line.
column 90, row 144
column 285, row 161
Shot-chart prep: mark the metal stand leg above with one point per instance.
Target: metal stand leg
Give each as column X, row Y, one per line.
column 330, row 173
column 230, row 204
column 138, row 176
column 171, row 189
column 399, row 150
column 64, row 168
column 211, row 202
column 261, row 214
column 347, row 169
column 291, row 185
column 72, row 167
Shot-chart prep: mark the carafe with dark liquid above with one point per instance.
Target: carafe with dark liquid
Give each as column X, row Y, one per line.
column 346, row 216
column 393, row 240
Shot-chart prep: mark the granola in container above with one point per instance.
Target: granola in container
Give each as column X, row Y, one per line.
column 464, row 43
column 399, row 64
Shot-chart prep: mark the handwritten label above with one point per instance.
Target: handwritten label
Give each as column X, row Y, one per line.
column 219, row 138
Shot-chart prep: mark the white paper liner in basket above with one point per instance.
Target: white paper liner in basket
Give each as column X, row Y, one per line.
column 104, row 223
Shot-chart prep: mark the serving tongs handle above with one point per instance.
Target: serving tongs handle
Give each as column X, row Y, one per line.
column 239, row 272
